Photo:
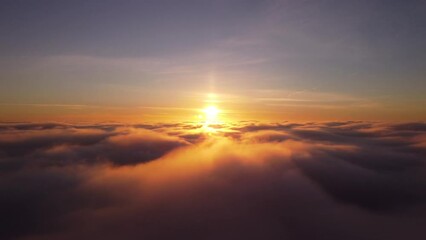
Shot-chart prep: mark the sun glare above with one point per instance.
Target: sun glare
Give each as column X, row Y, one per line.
column 210, row 118
column 211, row 113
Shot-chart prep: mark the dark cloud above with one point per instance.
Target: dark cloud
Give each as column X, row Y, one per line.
column 82, row 144
column 335, row 180
column 415, row 126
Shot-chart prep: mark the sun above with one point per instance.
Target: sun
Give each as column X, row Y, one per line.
column 211, row 113
column 210, row 119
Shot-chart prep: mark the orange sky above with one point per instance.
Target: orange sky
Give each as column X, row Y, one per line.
column 300, row 107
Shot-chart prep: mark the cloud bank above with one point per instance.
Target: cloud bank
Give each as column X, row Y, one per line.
column 333, row 180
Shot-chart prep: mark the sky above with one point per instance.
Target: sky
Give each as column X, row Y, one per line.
column 272, row 60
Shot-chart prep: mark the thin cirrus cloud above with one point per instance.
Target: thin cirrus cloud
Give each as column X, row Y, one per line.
column 339, row 180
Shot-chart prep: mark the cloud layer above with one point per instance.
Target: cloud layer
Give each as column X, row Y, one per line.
column 333, row 180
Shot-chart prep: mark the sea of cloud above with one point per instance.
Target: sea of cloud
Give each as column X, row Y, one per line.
column 246, row 180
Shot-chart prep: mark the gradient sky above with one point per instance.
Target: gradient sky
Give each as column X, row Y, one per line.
column 163, row 60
